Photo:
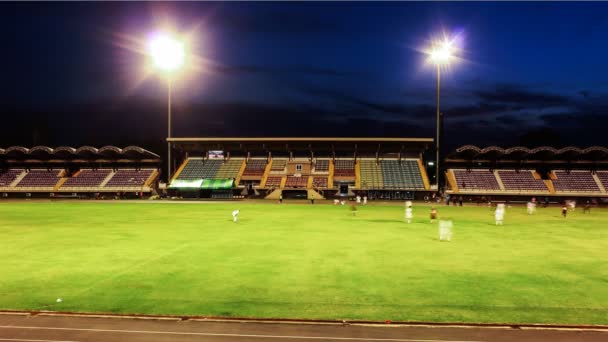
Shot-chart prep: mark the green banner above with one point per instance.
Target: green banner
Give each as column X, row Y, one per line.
column 186, row 184
column 217, row 184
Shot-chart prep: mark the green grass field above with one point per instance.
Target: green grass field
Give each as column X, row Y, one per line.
column 303, row 261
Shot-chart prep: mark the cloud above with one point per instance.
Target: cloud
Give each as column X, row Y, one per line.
column 514, row 94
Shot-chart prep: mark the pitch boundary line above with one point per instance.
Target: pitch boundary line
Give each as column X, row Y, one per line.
column 295, row 337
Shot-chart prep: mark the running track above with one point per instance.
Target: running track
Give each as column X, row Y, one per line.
column 52, row 328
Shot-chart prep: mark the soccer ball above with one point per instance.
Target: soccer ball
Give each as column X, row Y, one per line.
column 59, row 300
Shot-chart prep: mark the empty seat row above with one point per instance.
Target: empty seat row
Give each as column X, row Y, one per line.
column 401, row 174
column 229, row 169
column 273, row 181
column 129, row 178
column 322, row 165
column 200, row 168
column 476, row 180
column 296, row 182
column 522, row 180
column 371, row 175
column 255, row 167
column 278, row 165
column 320, row 182
column 575, row 181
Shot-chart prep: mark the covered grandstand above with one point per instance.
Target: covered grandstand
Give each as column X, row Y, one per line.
column 519, row 171
column 387, row 168
column 64, row 171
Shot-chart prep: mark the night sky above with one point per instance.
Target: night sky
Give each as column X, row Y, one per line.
column 530, row 73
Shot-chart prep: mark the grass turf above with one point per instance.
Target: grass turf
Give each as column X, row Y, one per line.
column 303, row 261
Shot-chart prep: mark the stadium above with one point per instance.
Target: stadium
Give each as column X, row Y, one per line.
column 429, row 218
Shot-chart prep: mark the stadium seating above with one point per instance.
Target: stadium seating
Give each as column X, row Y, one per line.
column 200, row 168
column 296, row 182
column 229, row 169
column 129, row 178
column 273, row 181
column 476, row 180
column 87, row 178
column 522, row 180
column 404, row 174
column 319, row 182
column 322, row 165
column 37, row 178
column 575, row 181
column 255, row 167
column 9, row 176
column 278, row 165
column 371, row 174
column 344, row 168
column 603, row 177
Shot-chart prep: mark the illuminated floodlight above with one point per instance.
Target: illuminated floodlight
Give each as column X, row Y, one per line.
column 167, row 53
column 442, row 53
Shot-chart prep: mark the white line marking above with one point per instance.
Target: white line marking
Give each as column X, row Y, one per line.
column 26, row 340
column 231, row 335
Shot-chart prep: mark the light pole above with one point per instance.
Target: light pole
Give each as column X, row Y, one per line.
column 168, row 55
column 439, row 56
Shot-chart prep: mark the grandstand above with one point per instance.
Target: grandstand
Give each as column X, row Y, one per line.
column 323, row 167
column 43, row 171
column 569, row 172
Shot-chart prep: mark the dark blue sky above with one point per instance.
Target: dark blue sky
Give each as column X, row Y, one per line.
column 306, row 69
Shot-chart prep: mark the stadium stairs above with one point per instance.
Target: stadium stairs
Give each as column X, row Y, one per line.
column 330, row 177
column 425, row 177
column 317, row 195
column 105, row 181
column 18, row 179
column 358, row 174
column 452, row 180
column 599, row 183
column 240, row 174
column 274, row 195
column 180, row 169
column 309, row 182
column 266, row 173
column 499, row 180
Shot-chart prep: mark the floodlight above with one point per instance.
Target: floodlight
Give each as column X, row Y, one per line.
column 167, row 53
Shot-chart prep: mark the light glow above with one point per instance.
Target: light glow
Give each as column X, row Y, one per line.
column 442, row 53
column 167, row 53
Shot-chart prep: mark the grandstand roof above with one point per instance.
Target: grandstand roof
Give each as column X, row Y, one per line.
column 546, row 154
column 316, row 144
column 71, row 153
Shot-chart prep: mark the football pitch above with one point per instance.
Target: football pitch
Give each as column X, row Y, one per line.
column 302, row 261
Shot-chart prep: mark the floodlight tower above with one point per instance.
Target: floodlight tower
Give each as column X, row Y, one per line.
column 440, row 55
column 168, row 55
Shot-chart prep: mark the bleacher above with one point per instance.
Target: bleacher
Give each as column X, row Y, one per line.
column 278, row 165
column 344, row 168
column 522, row 180
column 603, row 177
column 129, row 178
column 574, row 181
column 371, row 174
column 273, row 181
column 255, row 167
column 476, row 180
column 229, row 169
column 86, row 178
column 44, row 179
column 296, row 182
column 319, row 182
column 200, row 168
column 322, row 165
column 7, row 177
column 404, row 174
